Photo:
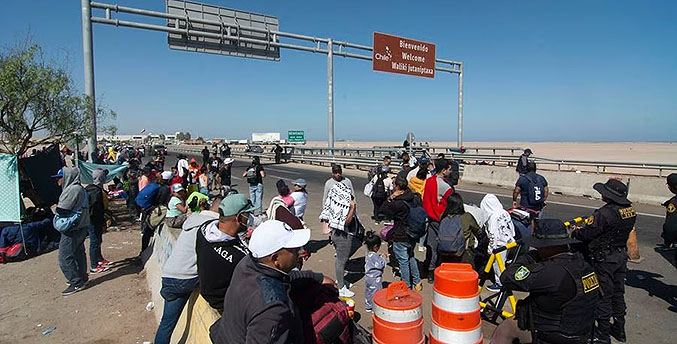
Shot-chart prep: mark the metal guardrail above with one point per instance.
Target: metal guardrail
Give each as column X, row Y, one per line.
column 367, row 157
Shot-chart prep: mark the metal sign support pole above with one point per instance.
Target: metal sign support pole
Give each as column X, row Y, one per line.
column 330, row 96
column 460, row 106
column 89, row 72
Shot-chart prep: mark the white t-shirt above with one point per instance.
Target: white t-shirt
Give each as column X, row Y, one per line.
column 300, row 201
column 183, row 163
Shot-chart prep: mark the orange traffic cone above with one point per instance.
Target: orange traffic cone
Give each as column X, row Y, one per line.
column 456, row 305
column 398, row 317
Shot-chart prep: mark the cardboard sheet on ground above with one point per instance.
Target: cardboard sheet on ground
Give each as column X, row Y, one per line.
column 10, row 208
column 86, row 170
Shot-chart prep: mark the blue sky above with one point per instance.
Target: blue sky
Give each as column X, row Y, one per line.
column 535, row 71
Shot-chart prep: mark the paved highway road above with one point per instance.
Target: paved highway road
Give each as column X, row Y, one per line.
column 651, row 286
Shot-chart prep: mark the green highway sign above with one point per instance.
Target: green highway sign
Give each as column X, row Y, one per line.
column 296, row 136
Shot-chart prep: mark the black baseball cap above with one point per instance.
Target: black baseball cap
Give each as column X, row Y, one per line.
column 672, row 180
column 336, row 168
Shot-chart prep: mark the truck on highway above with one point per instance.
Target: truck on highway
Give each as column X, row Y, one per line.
column 265, row 137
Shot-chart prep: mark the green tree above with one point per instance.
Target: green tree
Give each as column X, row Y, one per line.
column 186, row 136
column 39, row 102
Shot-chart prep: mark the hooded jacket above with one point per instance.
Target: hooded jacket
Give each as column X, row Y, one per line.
column 500, row 229
column 399, row 210
column 73, row 196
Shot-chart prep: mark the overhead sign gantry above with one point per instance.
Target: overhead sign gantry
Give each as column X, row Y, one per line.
column 198, row 27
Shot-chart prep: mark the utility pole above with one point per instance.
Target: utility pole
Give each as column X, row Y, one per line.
column 88, row 52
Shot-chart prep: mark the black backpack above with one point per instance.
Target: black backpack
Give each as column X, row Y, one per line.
column 379, row 190
column 455, row 172
column 535, row 191
column 417, row 221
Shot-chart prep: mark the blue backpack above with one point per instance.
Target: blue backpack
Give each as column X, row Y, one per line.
column 417, row 221
column 148, row 196
column 535, row 191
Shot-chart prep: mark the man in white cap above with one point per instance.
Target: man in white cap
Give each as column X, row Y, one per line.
column 225, row 171
column 258, row 308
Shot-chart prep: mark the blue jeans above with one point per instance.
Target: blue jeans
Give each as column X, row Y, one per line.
column 256, row 196
column 95, row 240
column 176, row 293
column 404, row 253
column 72, row 257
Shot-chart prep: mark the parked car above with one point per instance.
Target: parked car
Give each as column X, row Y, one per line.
column 253, row 149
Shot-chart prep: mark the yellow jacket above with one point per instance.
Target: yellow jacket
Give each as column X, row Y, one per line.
column 417, row 185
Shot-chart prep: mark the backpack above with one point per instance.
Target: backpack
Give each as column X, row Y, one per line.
column 455, row 172
column 13, row 253
column 417, row 221
column 379, row 189
column 251, row 175
column 450, row 239
column 535, row 191
column 325, row 317
column 147, row 197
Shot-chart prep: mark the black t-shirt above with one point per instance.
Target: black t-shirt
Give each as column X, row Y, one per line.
column 214, row 164
column 257, row 178
column 224, row 173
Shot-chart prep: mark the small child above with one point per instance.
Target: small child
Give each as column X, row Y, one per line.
column 373, row 267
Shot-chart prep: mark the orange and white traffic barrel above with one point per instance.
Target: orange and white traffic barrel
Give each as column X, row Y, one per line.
column 398, row 317
column 456, row 305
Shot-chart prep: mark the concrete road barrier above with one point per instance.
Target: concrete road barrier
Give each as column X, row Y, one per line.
column 197, row 315
column 642, row 189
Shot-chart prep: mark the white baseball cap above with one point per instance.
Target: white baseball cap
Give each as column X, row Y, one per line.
column 228, row 161
column 167, row 175
column 273, row 235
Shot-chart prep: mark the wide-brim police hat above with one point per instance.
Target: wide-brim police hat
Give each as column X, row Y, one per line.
column 613, row 190
column 549, row 232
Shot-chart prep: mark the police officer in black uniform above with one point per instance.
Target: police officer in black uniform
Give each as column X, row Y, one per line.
column 563, row 290
column 605, row 235
column 670, row 226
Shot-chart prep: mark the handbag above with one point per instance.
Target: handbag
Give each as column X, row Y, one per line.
column 157, row 215
column 66, row 221
column 387, row 232
column 369, row 188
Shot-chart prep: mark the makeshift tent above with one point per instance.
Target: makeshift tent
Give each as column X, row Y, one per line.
column 10, row 203
column 36, row 180
column 86, row 170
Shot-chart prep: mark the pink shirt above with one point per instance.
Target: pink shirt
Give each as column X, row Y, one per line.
column 143, row 181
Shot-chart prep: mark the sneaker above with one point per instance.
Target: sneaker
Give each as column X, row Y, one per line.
column 431, row 279
column 100, row 268
column 344, row 292
column 72, row 290
column 105, row 263
column 368, row 310
column 494, row 288
column 419, row 286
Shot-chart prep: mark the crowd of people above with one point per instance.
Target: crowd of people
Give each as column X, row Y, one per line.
column 247, row 261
